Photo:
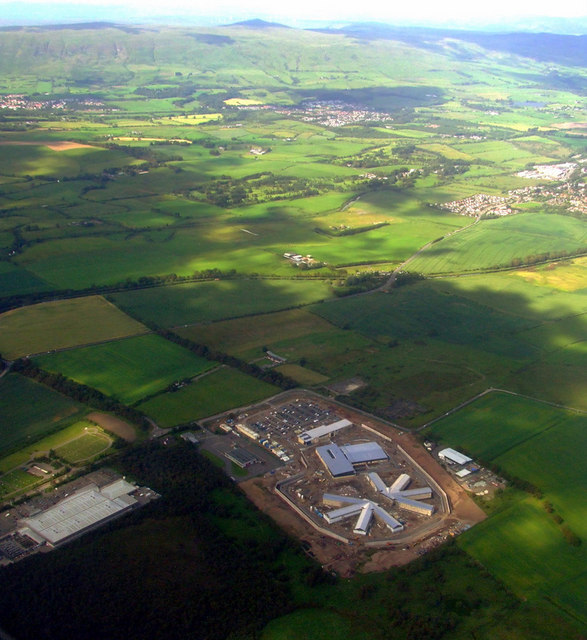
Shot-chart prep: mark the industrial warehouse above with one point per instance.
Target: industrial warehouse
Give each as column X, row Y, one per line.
column 78, row 507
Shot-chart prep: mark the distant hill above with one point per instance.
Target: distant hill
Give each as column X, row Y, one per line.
column 256, row 23
column 546, row 47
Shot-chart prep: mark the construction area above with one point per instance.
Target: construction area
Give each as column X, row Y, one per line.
column 361, row 495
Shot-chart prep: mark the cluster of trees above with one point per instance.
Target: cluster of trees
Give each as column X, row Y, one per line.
column 80, row 392
column 266, row 375
column 267, row 187
column 537, row 258
column 172, row 91
column 168, row 570
column 359, row 283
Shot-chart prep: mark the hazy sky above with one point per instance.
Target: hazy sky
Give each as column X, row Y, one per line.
column 333, row 10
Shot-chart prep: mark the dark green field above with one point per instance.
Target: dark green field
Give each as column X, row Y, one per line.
column 28, row 410
column 128, row 369
column 219, row 391
column 206, row 301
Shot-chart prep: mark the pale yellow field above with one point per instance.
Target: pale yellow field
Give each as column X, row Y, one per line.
column 564, row 276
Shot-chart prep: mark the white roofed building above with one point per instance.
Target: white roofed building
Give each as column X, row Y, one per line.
column 454, row 457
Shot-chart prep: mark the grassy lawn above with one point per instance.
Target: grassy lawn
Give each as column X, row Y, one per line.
column 62, row 324
column 523, row 545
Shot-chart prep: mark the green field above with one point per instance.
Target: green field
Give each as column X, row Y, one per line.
column 63, row 324
column 84, row 448
column 44, row 445
column 245, row 337
column 129, row 369
column 219, row 391
column 543, row 445
column 28, row 410
column 206, row 301
column 496, row 243
column 17, row 481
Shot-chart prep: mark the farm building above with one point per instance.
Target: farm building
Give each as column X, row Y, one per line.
column 341, row 461
column 79, row 512
column 314, row 435
column 453, row 457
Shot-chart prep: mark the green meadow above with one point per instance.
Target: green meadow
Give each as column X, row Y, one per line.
column 127, row 370
column 28, row 410
column 219, row 391
column 61, row 325
column 208, row 301
column 496, row 243
column 524, row 545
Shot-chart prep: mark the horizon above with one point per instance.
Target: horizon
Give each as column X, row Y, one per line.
column 521, row 15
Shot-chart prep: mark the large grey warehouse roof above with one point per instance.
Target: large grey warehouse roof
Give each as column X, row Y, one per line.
column 364, row 452
column 79, row 512
column 333, row 457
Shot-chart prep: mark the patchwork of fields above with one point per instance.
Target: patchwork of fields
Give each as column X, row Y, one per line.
column 234, row 185
column 524, row 545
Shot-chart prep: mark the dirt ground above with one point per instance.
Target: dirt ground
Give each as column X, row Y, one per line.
column 115, row 425
column 347, row 559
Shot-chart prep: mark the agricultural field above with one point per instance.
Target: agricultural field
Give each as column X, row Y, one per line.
column 502, row 243
column 128, row 370
column 208, row 301
column 61, row 325
column 543, row 445
column 218, row 391
column 28, row 410
column 164, row 193
column 246, row 337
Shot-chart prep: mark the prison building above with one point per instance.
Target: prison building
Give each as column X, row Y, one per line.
column 83, row 510
column 314, row 435
column 338, row 501
column 364, row 521
column 388, row 520
column 414, row 505
column 344, row 512
column 453, row 457
column 364, row 509
column 422, row 493
column 400, row 483
column 404, row 498
column 364, row 453
column 376, row 482
column 335, row 461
